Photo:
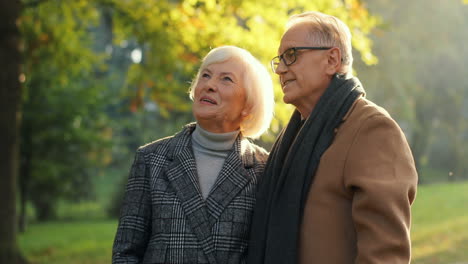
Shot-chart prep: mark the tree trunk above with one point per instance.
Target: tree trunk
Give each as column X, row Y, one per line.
column 26, row 149
column 10, row 96
column 45, row 209
column 419, row 143
column 420, row 140
column 24, row 176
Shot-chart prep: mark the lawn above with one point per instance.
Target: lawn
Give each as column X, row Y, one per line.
column 439, row 232
column 440, row 224
column 69, row 242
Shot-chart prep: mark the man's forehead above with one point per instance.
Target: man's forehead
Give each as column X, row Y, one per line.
column 296, row 35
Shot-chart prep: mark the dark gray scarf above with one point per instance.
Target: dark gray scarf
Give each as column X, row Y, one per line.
column 290, row 171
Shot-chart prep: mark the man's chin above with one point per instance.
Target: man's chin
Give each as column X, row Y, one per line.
column 287, row 100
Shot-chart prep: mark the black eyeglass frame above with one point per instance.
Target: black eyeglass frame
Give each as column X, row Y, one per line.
column 276, row 60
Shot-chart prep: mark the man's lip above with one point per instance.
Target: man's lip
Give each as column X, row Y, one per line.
column 207, row 99
column 286, row 82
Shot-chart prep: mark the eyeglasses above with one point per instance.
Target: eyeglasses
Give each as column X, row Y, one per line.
column 289, row 56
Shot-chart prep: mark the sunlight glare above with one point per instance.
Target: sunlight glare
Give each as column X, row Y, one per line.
column 136, row 55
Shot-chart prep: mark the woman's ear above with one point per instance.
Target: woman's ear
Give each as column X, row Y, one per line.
column 333, row 60
column 246, row 111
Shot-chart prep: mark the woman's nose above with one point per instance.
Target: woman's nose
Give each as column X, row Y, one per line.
column 211, row 85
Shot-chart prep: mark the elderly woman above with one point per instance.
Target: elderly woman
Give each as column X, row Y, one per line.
column 189, row 197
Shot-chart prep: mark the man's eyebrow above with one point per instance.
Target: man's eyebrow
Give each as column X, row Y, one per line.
column 285, row 48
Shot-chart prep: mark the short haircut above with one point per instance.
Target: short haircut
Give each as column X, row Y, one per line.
column 327, row 31
column 258, row 88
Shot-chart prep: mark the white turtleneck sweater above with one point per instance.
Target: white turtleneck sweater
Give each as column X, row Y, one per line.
column 210, row 150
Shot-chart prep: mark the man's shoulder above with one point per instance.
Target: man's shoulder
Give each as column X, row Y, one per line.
column 367, row 116
column 363, row 109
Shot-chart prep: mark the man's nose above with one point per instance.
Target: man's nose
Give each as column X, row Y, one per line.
column 281, row 68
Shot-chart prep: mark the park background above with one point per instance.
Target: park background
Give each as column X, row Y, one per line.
column 95, row 79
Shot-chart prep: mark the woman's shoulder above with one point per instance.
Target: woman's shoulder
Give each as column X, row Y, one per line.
column 163, row 145
column 258, row 152
column 156, row 145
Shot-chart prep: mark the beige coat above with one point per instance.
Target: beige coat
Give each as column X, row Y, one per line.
column 358, row 208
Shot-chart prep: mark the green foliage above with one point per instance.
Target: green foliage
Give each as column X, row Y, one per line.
column 63, row 129
column 421, row 78
column 175, row 35
column 115, row 204
column 81, row 87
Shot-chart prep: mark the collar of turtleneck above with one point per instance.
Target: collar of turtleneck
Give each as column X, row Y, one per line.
column 214, row 141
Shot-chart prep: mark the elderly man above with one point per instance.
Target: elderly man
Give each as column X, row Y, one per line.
column 340, row 180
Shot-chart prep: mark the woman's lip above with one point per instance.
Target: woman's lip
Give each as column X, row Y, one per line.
column 208, row 100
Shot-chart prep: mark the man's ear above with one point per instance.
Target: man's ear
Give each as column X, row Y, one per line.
column 333, row 60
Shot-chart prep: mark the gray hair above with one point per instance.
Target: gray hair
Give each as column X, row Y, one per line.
column 327, row 30
column 258, row 88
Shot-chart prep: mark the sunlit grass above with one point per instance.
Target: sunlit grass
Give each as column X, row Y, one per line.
column 440, row 224
column 86, row 210
column 439, row 232
column 83, row 235
column 69, row 242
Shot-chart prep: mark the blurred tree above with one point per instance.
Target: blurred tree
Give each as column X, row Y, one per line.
column 10, row 95
column 79, row 53
column 63, row 124
column 421, row 78
column 174, row 35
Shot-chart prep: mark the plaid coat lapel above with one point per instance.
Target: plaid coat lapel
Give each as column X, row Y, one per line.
column 166, row 220
column 235, row 174
column 182, row 175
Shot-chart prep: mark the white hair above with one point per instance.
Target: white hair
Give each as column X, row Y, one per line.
column 258, row 88
column 327, row 30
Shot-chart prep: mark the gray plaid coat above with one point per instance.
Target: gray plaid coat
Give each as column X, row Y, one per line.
column 164, row 218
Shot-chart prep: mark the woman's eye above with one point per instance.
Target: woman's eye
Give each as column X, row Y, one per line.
column 205, row 75
column 226, row 78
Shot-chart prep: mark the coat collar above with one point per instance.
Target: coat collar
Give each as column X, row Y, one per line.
column 345, row 117
column 242, row 146
column 181, row 171
column 235, row 174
